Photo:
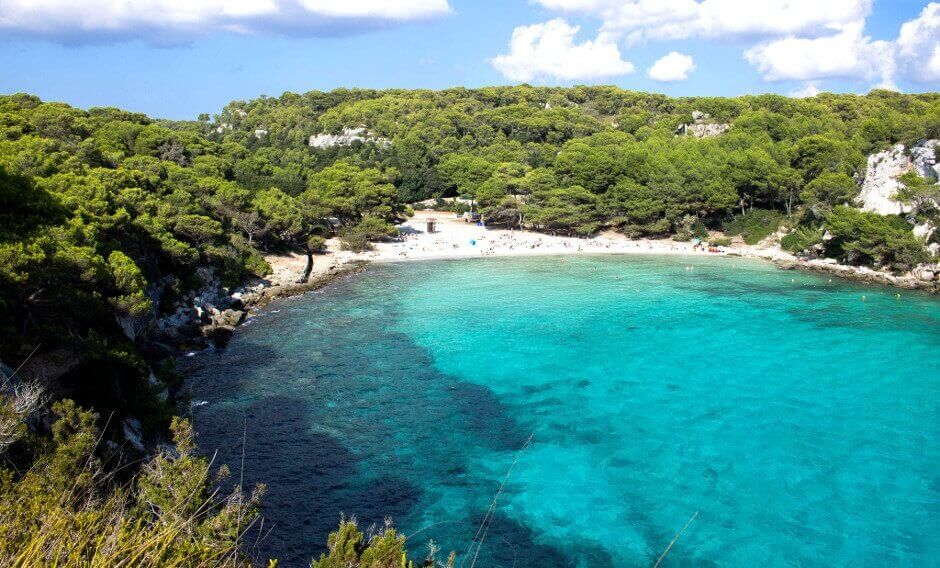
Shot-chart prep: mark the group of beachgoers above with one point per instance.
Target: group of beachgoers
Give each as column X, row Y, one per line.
column 505, row 242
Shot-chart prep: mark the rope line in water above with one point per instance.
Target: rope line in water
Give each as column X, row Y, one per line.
column 484, row 526
column 674, row 539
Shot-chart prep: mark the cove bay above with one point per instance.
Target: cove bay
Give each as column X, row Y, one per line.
column 795, row 414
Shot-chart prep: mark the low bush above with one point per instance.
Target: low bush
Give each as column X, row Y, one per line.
column 355, row 242
column 63, row 508
column 754, row 226
column 802, row 238
column 359, row 238
column 348, row 547
column 859, row 237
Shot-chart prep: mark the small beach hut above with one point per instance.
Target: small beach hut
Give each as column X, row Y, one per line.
column 431, row 224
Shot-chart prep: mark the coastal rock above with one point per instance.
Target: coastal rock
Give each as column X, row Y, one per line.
column 924, row 159
column 229, row 318
column 880, row 188
column 923, row 277
column 222, row 326
column 926, row 272
column 348, row 136
column 133, row 433
column 195, row 309
column 219, row 335
column 881, row 185
column 924, row 230
column 128, row 326
column 163, row 391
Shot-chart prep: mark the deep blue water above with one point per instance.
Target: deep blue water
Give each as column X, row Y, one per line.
column 799, row 419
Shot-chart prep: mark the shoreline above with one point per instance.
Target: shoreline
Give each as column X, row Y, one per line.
column 455, row 239
column 860, row 274
column 247, row 301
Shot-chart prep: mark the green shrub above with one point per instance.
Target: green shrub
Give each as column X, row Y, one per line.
column 358, row 238
column 802, row 238
column 64, row 509
column 754, row 226
column 859, row 237
column 316, row 244
column 720, row 241
column 690, row 227
column 385, row 549
column 355, row 242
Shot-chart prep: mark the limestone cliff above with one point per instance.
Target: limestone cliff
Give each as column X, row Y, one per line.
column 881, row 186
column 702, row 126
column 348, row 136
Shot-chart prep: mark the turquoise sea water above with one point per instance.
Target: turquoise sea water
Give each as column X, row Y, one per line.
column 797, row 418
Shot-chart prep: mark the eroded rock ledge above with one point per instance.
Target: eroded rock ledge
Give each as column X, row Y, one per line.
column 210, row 315
column 924, row 277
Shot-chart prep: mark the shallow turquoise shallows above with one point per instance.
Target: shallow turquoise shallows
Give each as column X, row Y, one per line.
column 798, row 417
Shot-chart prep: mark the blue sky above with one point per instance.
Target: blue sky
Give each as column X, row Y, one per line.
column 176, row 65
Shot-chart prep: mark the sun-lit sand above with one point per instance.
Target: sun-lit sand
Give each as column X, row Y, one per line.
column 455, row 238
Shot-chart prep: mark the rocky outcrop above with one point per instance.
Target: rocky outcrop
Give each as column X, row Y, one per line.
column 927, row 272
column 133, row 433
column 346, row 138
column 923, row 277
column 924, row 159
column 209, row 315
column 702, row 126
column 222, row 325
column 880, row 189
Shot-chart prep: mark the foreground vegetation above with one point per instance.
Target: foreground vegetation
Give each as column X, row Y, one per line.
column 62, row 503
column 109, row 217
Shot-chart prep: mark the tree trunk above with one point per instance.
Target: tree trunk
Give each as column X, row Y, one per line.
column 307, row 269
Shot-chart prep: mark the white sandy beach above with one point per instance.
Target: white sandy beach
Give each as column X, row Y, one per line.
column 456, row 238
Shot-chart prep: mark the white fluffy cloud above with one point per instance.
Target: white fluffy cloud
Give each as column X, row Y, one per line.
column 677, row 19
column 847, row 54
column 918, row 45
column 809, row 89
column 674, row 66
column 802, row 40
column 171, row 20
column 549, row 51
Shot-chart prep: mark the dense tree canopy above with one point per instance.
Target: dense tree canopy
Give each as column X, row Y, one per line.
column 109, row 217
column 108, row 214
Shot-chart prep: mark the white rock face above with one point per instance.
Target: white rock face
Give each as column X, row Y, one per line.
column 704, row 130
column 924, row 159
column 880, row 189
column 699, row 128
column 348, row 136
column 260, row 132
column 133, row 433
